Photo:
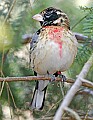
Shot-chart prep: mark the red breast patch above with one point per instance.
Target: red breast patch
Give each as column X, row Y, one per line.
column 55, row 34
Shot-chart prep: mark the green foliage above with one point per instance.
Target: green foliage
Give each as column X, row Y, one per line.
column 6, row 37
column 88, row 30
column 85, row 49
column 20, row 22
column 11, row 64
column 88, row 24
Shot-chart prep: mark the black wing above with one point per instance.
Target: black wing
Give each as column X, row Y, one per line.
column 34, row 39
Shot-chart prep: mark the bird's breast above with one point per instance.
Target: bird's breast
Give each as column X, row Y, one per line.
column 55, row 50
column 55, row 34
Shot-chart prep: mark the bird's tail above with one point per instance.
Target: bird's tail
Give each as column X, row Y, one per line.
column 39, row 95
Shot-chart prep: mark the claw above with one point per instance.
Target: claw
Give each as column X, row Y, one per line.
column 51, row 76
column 58, row 73
column 63, row 78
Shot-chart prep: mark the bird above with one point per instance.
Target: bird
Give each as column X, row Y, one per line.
column 53, row 49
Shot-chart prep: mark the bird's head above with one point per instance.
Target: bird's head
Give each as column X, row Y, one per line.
column 52, row 16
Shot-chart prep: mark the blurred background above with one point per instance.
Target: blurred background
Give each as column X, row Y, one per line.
column 15, row 23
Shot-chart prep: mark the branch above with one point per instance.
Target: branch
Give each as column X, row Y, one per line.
column 85, row 91
column 26, row 38
column 31, row 78
column 86, row 81
column 71, row 93
column 72, row 112
column 80, row 38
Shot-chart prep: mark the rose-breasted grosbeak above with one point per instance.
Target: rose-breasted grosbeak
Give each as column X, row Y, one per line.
column 53, row 48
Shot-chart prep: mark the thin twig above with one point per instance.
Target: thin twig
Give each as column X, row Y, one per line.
column 11, row 95
column 13, row 3
column 10, row 110
column 52, row 107
column 3, row 83
column 86, row 81
column 61, row 88
column 79, row 21
column 72, row 112
column 2, row 87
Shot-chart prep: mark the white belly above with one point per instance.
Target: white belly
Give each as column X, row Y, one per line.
column 47, row 57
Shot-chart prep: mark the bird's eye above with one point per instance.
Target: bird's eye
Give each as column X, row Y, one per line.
column 61, row 20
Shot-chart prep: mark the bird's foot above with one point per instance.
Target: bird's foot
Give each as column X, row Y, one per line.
column 51, row 76
column 59, row 74
column 63, row 77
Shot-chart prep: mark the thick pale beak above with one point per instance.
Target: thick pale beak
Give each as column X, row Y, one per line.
column 38, row 17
